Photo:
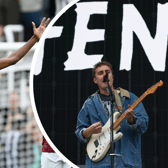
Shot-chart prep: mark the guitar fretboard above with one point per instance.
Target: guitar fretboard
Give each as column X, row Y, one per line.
column 121, row 118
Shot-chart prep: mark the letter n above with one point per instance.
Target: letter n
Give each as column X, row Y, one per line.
column 155, row 48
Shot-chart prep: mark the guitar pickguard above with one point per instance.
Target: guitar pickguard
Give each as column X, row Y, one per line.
column 99, row 144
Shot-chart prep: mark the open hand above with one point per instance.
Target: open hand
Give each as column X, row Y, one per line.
column 39, row 31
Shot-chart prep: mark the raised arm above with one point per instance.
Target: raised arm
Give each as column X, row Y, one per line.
column 21, row 52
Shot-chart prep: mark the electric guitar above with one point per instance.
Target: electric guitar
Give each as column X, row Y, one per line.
column 99, row 144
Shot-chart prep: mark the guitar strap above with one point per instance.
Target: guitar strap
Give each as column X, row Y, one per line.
column 120, row 92
column 117, row 93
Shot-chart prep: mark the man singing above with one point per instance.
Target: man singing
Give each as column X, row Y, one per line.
column 96, row 112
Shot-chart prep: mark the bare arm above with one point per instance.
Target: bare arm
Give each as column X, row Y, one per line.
column 1, row 30
column 21, row 52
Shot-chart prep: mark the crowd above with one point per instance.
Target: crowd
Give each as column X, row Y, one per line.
column 20, row 137
column 24, row 12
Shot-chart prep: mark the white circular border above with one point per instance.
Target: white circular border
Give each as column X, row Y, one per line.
column 31, row 83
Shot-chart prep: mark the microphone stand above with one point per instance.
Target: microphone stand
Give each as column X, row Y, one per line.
column 112, row 99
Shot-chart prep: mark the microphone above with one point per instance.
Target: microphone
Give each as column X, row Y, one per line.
column 105, row 79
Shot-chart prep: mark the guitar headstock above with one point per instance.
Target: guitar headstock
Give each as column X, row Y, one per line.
column 153, row 88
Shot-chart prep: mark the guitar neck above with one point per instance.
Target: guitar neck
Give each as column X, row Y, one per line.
column 121, row 118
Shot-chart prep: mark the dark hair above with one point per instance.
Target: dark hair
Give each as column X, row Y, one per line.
column 99, row 64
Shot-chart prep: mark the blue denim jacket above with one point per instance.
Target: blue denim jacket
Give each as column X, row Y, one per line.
column 129, row 146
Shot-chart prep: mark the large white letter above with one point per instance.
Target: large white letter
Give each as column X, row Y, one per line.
column 77, row 59
column 156, row 48
column 54, row 32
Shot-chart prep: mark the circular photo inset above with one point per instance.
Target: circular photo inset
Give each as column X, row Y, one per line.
column 91, row 51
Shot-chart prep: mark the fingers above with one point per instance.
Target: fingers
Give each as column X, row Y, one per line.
column 97, row 127
column 44, row 23
column 98, row 123
column 129, row 113
column 34, row 26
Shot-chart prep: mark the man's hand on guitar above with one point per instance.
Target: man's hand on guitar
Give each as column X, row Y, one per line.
column 129, row 115
column 93, row 129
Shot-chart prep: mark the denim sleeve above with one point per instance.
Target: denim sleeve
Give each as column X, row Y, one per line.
column 135, row 124
column 83, row 122
column 141, row 117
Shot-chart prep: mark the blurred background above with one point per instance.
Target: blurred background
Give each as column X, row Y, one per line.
column 20, row 137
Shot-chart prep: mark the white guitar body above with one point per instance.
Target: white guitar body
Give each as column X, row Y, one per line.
column 99, row 144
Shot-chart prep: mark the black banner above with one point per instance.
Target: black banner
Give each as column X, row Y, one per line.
column 132, row 36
